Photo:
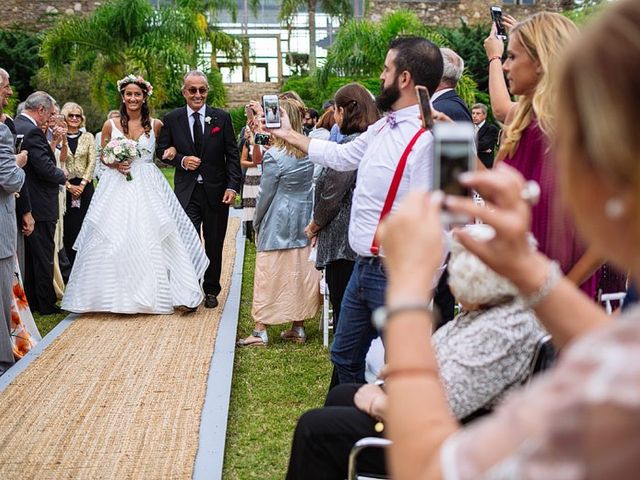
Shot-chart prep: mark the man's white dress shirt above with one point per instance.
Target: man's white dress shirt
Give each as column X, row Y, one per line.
column 375, row 154
column 202, row 112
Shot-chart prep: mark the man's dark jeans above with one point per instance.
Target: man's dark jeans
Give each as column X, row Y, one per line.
column 365, row 292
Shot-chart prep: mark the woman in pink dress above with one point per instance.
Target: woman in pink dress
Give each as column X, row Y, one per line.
column 535, row 47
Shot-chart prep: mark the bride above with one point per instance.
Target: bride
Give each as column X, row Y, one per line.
column 138, row 252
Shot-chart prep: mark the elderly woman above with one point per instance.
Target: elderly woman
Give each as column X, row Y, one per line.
column 482, row 353
column 80, row 165
column 286, row 285
column 581, row 419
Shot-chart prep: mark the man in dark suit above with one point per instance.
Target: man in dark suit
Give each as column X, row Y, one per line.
column 208, row 170
column 445, row 99
column 44, row 179
column 486, row 134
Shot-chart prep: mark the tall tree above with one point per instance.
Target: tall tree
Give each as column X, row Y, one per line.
column 337, row 8
column 360, row 48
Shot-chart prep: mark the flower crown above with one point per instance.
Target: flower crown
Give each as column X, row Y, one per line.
column 138, row 80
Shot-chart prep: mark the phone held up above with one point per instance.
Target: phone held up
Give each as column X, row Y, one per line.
column 496, row 17
column 262, row 138
column 454, row 154
column 19, row 140
column 424, row 103
column 271, row 108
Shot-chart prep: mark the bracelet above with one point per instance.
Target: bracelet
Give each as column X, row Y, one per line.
column 410, row 372
column 554, row 274
column 381, row 315
column 495, row 57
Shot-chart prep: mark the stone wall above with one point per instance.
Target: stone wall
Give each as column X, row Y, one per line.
column 239, row 94
column 448, row 13
column 38, row 14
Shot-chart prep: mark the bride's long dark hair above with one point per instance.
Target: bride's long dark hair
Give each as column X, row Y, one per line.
column 145, row 116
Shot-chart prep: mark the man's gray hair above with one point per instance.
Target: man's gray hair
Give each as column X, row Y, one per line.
column 113, row 113
column 39, row 99
column 480, row 106
column 20, row 108
column 453, row 66
column 4, row 76
column 195, row 73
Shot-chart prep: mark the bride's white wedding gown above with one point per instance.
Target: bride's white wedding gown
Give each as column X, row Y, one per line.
column 138, row 252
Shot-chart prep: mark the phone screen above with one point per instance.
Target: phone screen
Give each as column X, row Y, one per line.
column 271, row 111
column 424, row 102
column 454, row 160
column 496, row 16
column 19, row 139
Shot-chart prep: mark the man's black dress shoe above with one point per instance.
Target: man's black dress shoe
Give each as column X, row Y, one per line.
column 210, row 301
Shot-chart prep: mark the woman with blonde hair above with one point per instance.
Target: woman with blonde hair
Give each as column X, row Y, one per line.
column 580, row 420
column 286, row 284
column 533, row 53
column 80, row 165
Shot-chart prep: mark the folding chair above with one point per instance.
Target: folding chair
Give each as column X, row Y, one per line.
column 544, row 356
column 358, row 447
column 607, row 298
column 326, row 322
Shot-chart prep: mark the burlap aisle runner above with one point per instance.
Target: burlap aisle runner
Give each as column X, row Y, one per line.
column 114, row 397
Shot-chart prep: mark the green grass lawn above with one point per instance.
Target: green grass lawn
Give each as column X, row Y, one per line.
column 271, row 387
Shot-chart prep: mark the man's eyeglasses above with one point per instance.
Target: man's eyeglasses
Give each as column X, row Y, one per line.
column 194, row 90
column 74, row 115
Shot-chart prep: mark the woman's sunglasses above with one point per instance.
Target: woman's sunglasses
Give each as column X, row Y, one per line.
column 74, row 115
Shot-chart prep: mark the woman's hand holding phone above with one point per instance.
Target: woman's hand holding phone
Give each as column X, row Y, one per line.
column 493, row 46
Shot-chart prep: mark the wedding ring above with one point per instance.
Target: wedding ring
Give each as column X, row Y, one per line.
column 530, row 193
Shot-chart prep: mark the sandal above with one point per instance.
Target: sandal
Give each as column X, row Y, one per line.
column 295, row 334
column 256, row 339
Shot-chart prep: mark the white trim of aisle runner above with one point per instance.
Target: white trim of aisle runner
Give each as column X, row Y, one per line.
column 213, row 423
column 35, row 352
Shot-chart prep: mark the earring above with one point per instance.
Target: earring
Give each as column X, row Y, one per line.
column 614, row 208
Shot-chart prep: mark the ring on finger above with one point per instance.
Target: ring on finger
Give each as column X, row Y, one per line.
column 530, row 193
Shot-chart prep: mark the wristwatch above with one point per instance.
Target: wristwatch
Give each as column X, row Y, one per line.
column 381, row 315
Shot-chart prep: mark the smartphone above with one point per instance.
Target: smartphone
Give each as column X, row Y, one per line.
column 19, row 140
column 262, row 138
column 454, row 153
column 249, row 113
column 59, row 120
column 271, row 108
column 496, row 17
column 424, row 103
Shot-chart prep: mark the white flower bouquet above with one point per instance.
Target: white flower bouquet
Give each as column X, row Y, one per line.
column 120, row 150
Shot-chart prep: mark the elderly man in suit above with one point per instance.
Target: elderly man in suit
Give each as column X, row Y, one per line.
column 445, row 99
column 44, row 179
column 11, row 180
column 208, row 174
column 486, row 134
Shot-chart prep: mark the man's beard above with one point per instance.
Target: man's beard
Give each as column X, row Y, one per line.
column 388, row 96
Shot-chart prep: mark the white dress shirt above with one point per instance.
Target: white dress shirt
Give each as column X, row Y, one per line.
column 439, row 93
column 202, row 112
column 376, row 154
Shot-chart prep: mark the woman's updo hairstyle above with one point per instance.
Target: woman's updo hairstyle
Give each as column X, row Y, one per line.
column 359, row 108
column 471, row 280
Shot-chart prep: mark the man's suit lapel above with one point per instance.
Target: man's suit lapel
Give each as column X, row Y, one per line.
column 207, row 128
column 183, row 121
